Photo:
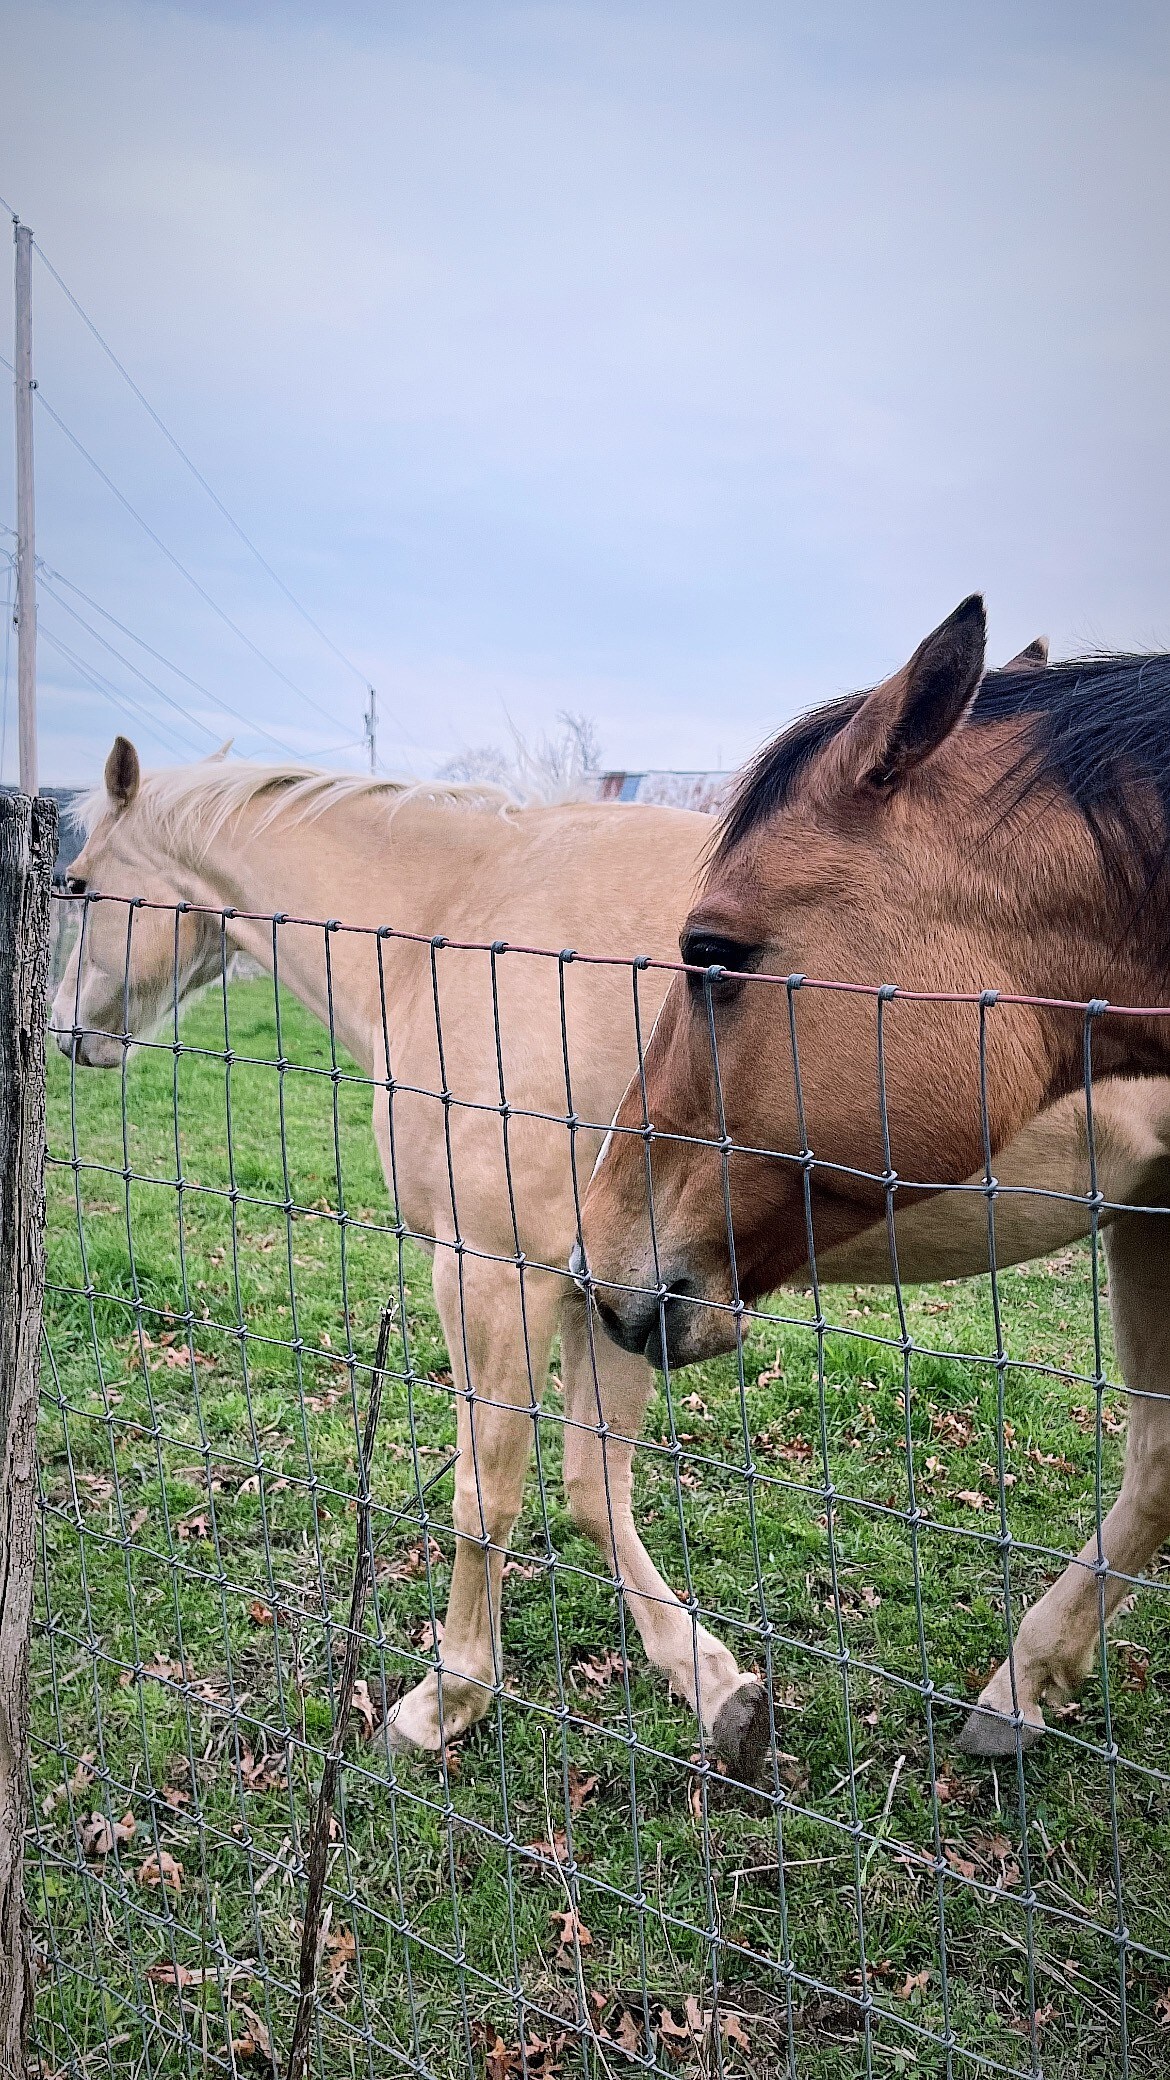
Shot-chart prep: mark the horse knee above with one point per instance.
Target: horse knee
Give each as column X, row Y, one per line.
column 585, row 1495
column 595, row 1503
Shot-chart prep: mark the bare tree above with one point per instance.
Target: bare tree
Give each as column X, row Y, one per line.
column 547, row 768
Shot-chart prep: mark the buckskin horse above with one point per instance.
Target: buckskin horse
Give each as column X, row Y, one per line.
column 497, row 1205
column 978, row 840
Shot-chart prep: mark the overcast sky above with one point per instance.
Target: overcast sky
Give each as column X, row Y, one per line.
column 677, row 364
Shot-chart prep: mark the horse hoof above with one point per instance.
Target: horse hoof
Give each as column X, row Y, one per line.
column 401, row 1740
column 990, row 1734
column 742, row 1731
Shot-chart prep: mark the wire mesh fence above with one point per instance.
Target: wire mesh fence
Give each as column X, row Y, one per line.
column 587, row 1816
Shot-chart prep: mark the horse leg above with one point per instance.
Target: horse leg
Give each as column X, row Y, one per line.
column 499, row 1336
column 1058, row 1637
column 606, row 1391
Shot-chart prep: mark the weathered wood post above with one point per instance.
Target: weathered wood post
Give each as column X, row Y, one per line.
column 28, row 845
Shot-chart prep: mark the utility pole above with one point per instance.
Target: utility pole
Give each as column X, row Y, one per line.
column 26, row 579
column 372, row 730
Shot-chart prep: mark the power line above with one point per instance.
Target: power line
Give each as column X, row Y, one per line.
column 257, row 728
column 198, row 475
column 236, row 630
column 117, row 695
column 172, row 559
column 190, row 577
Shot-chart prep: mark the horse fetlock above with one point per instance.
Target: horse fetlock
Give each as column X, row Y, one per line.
column 437, row 1711
column 1021, row 1686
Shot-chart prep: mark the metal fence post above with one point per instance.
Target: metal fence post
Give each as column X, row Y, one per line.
column 28, row 843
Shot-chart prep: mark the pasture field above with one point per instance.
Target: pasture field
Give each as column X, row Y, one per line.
column 572, row 1856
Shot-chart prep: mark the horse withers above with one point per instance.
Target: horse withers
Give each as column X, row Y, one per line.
column 977, row 841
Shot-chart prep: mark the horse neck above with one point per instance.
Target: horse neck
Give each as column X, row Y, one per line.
column 1099, row 953
column 294, row 871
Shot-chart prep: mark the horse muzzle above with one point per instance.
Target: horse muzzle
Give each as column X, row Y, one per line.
column 672, row 1323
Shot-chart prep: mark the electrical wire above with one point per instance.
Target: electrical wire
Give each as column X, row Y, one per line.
column 226, row 514
column 198, row 475
column 117, row 695
column 181, row 567
column 47, row 576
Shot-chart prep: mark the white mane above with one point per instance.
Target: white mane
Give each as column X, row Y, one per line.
column 192, row 803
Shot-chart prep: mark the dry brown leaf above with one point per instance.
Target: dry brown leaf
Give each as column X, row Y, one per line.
column 256, row 2044
column 962, row 1864
column 953, row 1426
column 949, row 1785
column 161, row 1869
column 196, row 1525
column 428, row 1635
column 999, row 1851
column 79, row 1782
column 408, row 1565
column 598, row 1670
column 556, row 1851
column 261, row 1775
column 340, row 1951
column 580, row 1788
column 261, row 1613
column 1135, row 1666
column 96, row 1836
column 971, row 1498
column 915, row 1982
column 627, row 2033
column 1056, row 1460
column 1162, row 2010
column 698, row 2017
column 574, row 1936
column 1112, row 1420
column 677, row 2037
column 180, row 1975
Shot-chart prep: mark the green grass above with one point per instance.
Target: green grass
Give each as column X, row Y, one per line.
column 198, row 1517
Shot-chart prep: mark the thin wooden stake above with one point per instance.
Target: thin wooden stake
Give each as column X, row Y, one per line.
column 28, row 848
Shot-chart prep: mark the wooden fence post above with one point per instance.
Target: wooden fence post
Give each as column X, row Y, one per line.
column 28, row 844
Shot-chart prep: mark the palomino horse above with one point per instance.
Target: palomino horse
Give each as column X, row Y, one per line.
column 468, row 864
column 944, row 830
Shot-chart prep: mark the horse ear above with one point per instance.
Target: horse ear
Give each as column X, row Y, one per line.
column 214, row 756
column 1033, row 658
column 123, row 773
column 902, row 721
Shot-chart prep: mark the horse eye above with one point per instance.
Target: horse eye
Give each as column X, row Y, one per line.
column 712, row 950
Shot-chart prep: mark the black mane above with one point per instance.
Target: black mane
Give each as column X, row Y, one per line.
column 1102, row 729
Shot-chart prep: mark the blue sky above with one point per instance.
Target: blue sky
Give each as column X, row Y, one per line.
column 678, row 364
